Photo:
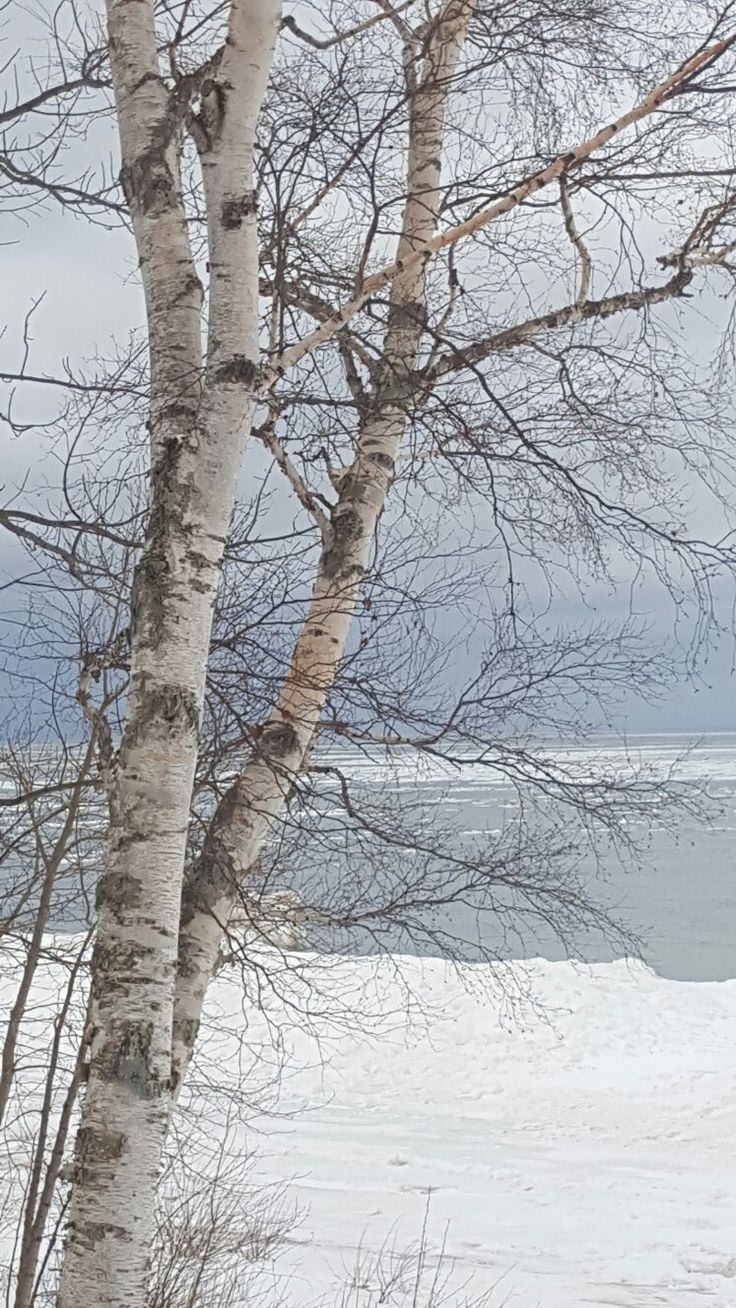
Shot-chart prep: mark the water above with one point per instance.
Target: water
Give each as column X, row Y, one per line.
column 679, row 896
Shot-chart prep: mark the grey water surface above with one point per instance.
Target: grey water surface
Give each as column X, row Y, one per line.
column 678, row 894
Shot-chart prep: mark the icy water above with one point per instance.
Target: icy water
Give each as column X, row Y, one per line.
column 679, row 896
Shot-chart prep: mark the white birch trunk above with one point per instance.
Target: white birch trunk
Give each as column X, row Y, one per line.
column 198, row 426
column 248, row 810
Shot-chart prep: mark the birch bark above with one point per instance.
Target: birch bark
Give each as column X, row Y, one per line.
column 200, row 412
column 149, row 977
column 248, row 810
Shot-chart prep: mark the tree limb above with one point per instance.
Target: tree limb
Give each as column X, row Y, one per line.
column 577, row 240
column 266, row 434
column 564, row 162
column 290, row 23
column 522, row 333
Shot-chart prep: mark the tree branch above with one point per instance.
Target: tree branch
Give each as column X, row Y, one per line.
column 266, row 434
column 564, row 162
column 577, row 240
column 86, row 81
column 290, row 23
column 522, row 333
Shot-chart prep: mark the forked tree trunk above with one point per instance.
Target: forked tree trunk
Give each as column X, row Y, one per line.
column 149, row 976
column 254, row 801
column 199, row 420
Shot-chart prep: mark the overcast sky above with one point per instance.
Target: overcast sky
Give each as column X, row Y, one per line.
column 87, row 276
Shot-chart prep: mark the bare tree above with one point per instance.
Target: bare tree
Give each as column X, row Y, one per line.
column 371, row 312
column 399, row 382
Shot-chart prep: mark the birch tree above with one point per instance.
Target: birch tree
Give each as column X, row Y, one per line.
column 199, row 415
column 240, row 825
column 389, row 342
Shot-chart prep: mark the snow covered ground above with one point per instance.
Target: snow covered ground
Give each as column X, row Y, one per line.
column 580, row 1153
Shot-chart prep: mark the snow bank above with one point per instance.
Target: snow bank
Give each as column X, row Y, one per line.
column 581, row 1154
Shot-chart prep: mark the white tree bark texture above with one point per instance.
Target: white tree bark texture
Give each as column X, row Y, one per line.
column 200, row 413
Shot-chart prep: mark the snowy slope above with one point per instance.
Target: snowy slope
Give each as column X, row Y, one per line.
column 584, row 1156
column 581, row 1154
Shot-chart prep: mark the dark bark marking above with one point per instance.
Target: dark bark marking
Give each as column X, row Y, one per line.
column 186, row 1030
column 142, row 81
column 171, row 495
column 126, row 1057
column 120, row 958
column 89, row 1234
column 117, row 891
column 190, row 282
column 410, row 313
column 238, row 370
column 95, row 1145
column 383, row 460
column 213, row 876
column 347, row 535
column 147, row 181
column 236, row 208
column 146, row 596
column 279, row 738
column 175, row 705
column 178, row 412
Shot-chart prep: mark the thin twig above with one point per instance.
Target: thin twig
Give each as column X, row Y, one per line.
column 266, row 434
